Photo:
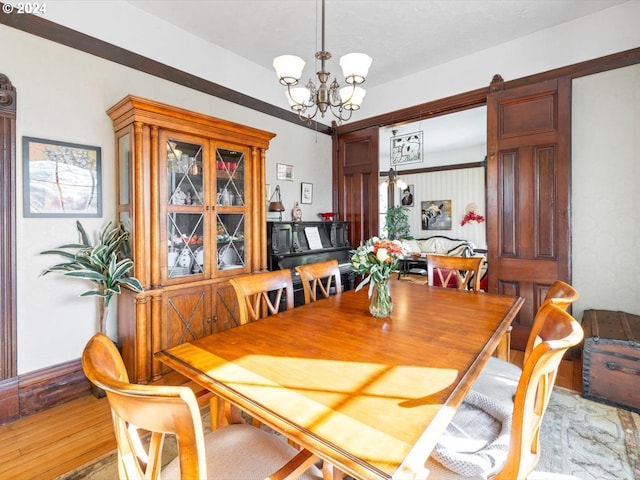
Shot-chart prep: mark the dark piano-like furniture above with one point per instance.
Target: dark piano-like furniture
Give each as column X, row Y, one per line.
column 290, row 244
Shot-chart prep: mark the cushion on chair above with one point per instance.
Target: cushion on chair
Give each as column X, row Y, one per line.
column 243, row 452
column 498, row 380
column 476, row 442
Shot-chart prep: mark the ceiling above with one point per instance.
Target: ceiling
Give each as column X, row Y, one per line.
column 402, row 36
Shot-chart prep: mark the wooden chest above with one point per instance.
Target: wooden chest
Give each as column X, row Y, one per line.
column 611, row 358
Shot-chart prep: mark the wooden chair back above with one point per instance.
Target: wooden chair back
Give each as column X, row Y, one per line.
column 461, row 272
column 260, row 294
column 138, row 409
column 318, row 278
column 558, row 332
column 560, row 294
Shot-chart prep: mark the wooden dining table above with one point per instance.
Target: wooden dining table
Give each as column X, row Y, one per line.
column 369, row 395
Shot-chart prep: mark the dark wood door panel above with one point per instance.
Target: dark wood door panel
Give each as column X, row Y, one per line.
column 528, row 173
column 356, row 179
column 530, row 115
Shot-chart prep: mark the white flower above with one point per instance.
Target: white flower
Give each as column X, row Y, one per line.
column 382, row 255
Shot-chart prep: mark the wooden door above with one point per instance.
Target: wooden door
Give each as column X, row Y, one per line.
column 356, row 182
column 528, row 194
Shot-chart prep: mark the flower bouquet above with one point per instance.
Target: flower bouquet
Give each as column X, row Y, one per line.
column 471, row 216
column 377, row 259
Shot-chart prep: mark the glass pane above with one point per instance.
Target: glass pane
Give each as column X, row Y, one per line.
column 125, row 221
column 230, row 229
column 185, row 239
column 230, row 167
column 184, row 173
column 124, row 157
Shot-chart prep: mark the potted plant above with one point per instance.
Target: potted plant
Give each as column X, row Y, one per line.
column 397, row 223
column 104, row 264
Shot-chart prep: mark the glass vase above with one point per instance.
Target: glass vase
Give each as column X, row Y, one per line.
column 380, row 305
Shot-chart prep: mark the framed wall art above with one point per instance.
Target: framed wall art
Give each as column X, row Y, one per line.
column 407, row 196
column 436, row 215
column 306, row 192
column 284, row 172
column 406, row 148
column 61, row 179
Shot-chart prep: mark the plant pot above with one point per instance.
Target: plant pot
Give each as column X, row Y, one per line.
column 97, row 391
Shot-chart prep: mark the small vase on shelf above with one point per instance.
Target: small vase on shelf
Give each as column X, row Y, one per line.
column 380, row 305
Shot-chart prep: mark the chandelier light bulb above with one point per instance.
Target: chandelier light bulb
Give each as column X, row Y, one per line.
column 299, row 98
column 288, row 69
column 355, row 67
column 352, row 97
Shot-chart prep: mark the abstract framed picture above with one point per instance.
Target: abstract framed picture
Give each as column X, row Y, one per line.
column 436, row 214
column 406, row 148
column 61, row 179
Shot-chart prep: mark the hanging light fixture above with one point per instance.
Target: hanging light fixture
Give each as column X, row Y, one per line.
column 307, row 101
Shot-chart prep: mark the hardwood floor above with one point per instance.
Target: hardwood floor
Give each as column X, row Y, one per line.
column 49, row 444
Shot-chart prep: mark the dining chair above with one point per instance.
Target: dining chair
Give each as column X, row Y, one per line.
column 144, row 414
column 319, row 278
column 476, row 445
column 454, row 272
column 499, row 378
column 260, row 294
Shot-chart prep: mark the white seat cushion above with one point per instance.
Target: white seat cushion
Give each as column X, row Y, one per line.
column 243, row 452
column 498, row 380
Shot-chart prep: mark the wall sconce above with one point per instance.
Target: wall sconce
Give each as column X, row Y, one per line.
column 276, row 206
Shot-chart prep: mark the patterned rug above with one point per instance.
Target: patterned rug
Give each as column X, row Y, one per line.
column 580, row 437
column 589, row 440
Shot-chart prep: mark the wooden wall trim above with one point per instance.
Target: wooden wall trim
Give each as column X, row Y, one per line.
column 42, row 389
column 39, row 26
column 51, row 386
column 442, row 168
column 8, row 345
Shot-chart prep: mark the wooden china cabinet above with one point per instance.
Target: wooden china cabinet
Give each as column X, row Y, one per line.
column 190, row 189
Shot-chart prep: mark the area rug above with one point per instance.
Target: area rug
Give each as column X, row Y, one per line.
column 580, row 437
column 589, row 440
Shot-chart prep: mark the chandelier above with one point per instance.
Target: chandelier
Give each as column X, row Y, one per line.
column 307, row 101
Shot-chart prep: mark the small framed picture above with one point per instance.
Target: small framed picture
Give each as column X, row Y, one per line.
column 407, row 196
column 61, row 179
column 284, row 172
column 306, row 193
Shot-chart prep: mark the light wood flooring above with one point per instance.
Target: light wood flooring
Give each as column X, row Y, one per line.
column 49, row 444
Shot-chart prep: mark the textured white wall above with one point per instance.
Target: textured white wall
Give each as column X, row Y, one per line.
column 605, row 193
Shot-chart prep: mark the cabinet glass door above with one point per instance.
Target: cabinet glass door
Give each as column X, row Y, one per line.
column 185, row 208
column 231, row 214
